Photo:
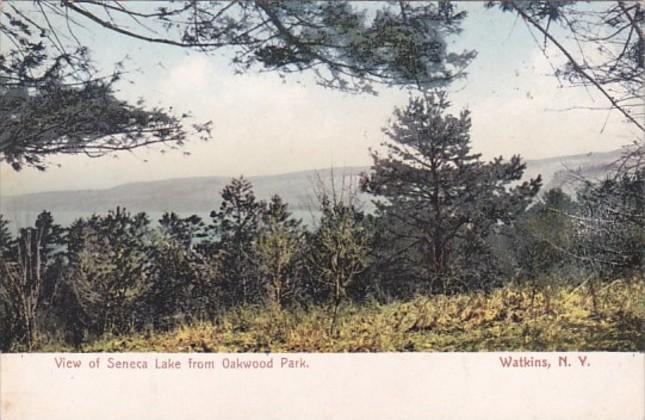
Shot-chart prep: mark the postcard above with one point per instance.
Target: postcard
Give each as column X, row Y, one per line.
column 322, row 210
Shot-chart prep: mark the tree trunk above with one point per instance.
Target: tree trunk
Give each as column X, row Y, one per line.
column 332, row 329
column 26, row 283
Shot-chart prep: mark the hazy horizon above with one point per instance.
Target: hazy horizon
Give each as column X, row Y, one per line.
column 277, row 174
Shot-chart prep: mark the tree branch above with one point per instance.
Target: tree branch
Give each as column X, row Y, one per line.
column 577, row 66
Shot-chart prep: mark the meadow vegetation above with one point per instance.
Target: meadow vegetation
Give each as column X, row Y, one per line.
column 513, row 318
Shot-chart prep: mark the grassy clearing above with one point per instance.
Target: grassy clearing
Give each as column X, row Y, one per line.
column 512, row 318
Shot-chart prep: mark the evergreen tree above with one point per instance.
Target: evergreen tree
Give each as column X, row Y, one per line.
column 109, row 270
column 176, row 291
column 436, row 195
column 277, row 249
column 233, row 230
column 183, row 230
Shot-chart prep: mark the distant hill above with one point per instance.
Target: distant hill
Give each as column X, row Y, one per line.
column 566, row 171
column 200, row 195
column 180, row 194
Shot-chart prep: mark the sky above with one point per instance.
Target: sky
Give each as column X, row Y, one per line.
column 265, row 125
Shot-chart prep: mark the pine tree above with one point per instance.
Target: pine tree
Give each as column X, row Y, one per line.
column 277, row 249
column 233, row 231
column 176, row 291
column 109, row 270
column 436, row 195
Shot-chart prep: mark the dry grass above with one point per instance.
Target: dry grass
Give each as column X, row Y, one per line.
column 512, row 318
